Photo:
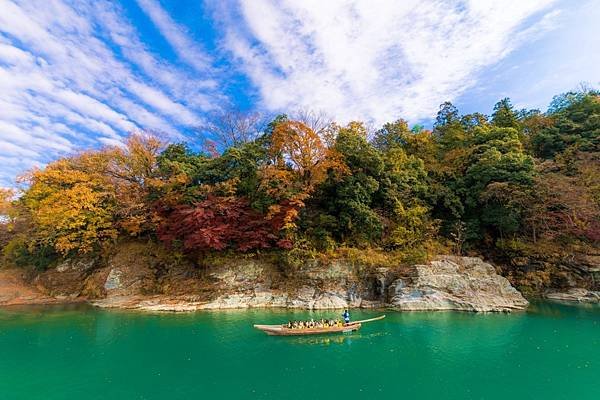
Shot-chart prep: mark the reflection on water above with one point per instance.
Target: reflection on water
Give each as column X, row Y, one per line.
column 77, row 352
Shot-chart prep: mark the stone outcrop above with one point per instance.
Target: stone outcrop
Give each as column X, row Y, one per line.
column 455, row 283
column 16, row 289
column 449, row 283
column 551, row 268
column 578, row 295
column 66, row 280
column 135, row 277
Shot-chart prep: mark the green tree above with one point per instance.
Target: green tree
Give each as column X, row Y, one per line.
column 498, row 169
column 348, row 199
column 576, row 118
column 504, row 115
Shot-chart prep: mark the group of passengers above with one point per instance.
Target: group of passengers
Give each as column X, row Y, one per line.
column 322, row 323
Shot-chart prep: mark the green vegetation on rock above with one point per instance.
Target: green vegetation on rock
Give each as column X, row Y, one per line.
column 505, row 186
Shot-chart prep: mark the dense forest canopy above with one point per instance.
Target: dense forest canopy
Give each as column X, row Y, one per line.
column 474, row 183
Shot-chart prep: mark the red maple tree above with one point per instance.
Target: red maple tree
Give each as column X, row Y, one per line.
column 218, row 223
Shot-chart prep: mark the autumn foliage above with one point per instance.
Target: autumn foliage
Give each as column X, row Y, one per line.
column 474, row 182
column 219, row 223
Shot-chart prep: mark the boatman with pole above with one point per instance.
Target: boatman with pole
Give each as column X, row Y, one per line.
column 346, row 316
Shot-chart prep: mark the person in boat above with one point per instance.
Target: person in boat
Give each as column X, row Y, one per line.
column 346, row 316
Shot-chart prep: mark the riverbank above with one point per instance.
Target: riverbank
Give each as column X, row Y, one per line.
column 132, row 281
column 142, row 276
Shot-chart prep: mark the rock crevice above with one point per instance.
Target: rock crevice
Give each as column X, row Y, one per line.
column 448, row 283
column 133, row 277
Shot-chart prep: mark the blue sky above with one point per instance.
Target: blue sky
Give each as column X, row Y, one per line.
column 85, row 73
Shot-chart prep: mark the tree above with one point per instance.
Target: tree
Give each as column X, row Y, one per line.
column 565, row 207
column 300, row 161
column 347, row 197
column 7, row 197
column 504, row 115
column 219, row 223
column 391, row 135
column 498, row 169
column 471, row 121
column 449, row 130
column 404, row 190
column 576, row 123
column 300, row 158
column 447, row 115
column 6, row 215
column 134, row 173
column 231, row 127
column 72, row 204
column 318, row 121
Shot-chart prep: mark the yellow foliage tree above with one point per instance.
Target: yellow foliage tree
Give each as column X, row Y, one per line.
column 133, row 171
column 6, row 199
column 6, row 214
column 72, row 204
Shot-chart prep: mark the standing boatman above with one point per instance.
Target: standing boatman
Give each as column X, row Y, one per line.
column 346, row 316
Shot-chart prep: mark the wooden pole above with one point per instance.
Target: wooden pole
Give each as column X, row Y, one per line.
column 367, row 320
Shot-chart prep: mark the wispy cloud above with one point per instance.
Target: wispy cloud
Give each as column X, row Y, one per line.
column 187, row 50
column 79, row 73
column 76, row 74
column 374, row 60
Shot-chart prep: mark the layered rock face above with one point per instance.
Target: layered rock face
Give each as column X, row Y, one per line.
column 136, row 278
column 15, row 290
column 449, row 283
column 455, row 283
column 579, row 295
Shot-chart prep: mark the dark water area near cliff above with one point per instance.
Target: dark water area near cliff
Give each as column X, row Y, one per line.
column 551, row 351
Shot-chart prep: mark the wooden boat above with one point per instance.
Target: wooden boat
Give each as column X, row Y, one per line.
column 283, row 330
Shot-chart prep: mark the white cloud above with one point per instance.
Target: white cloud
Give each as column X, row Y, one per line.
column 188, row 50
column 76, row 74
column 374, row 60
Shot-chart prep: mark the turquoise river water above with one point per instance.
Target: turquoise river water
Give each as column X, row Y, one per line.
column 549, row 352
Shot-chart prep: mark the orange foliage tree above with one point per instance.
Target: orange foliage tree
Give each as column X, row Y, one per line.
column 133, row 172
column 301, row 161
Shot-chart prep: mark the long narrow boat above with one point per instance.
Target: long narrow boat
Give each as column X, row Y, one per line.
column 283, row 330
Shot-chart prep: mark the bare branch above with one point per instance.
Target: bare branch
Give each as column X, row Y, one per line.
column 318, row 121
column 227, row 128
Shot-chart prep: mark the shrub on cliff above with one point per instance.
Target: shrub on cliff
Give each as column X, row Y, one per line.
column 316, row 187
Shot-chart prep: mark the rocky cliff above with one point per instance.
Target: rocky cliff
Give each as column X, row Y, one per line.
column 455, row 283
column 137, row 277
